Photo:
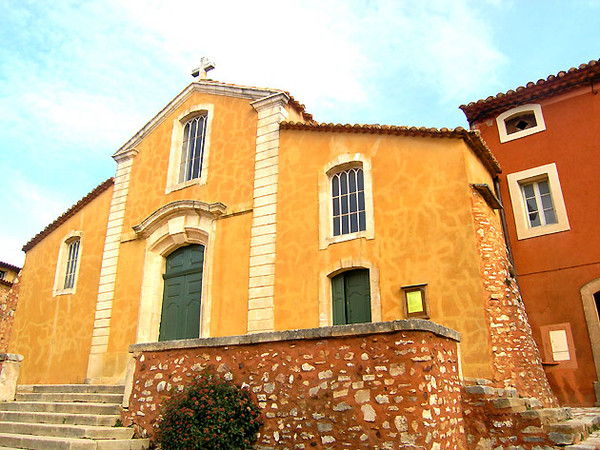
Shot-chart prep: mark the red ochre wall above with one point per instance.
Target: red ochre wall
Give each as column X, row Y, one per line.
column 383, row 385
column 552, row 269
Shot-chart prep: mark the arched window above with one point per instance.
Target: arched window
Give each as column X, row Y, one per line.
column 192, row 152
column 348, row 201
column 67, row 266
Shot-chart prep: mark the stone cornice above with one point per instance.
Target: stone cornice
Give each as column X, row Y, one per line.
column 276, row 99
column 309, row 333
column 177, row 208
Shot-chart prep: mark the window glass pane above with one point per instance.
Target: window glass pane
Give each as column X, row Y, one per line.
column 360, row 182
column 336, row 226
column 344, row 183
column 546, row 201
column 336, row 206
column 352, row 181
column 532, row 205
column 550, row 216
column 361, row 201
column 534, row 219
column 543, row 186
column 335, row 185
column 353, row 203
column 528, row 190
column 345, row 225
column 192, row 149
column 362, row 222
column 344, row 200
column 353, row 223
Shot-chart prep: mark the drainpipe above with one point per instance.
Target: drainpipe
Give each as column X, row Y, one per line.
column 505, row 229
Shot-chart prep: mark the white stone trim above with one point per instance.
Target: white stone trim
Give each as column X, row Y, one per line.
column 536, row 109
column 515, row 180
column 325, row 294
column 175, row 155
column 170, row 227
column 110, row 257
column 61, row 265
column 343, row 162
column 271, row 111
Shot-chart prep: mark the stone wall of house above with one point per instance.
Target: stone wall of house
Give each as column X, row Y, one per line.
column 8, row 303
column 516, row 359
column 376, row 386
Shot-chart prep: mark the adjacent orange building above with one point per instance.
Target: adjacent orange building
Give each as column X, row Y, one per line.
column 545, row 136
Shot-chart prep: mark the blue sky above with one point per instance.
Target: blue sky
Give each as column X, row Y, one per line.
column 78, row 79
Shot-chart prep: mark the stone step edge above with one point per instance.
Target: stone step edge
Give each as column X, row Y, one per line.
column 69, row 427
column 58, row 417
column 69, row 388
column 92, row 444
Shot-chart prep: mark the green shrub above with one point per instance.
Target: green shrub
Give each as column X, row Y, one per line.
column 209, row 414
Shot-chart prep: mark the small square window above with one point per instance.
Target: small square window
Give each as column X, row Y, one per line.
column 558, row 346
column 415, row 301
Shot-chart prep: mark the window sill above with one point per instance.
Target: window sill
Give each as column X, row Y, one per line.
column 179, row 186
column 347, row 237
column 58, row 292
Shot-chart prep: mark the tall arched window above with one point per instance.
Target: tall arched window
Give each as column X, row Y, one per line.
column 348, row 201
column 192, row 152
column 67, row 266
column 72, row 262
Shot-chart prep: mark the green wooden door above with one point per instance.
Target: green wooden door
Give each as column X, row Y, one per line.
column 180, row 317
column 351, row 296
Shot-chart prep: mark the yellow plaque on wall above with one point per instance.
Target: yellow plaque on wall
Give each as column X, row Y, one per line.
column 414, row 301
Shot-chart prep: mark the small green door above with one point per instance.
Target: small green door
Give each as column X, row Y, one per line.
column 351, row 294
column 180, row 317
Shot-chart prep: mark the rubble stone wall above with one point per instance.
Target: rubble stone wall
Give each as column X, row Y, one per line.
column 8, row 303
column 515, row 356
column 377, row 385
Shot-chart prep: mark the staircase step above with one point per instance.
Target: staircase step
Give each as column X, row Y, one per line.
column 67, row 431
column 548, row 415
column 46, row 442
column 65, row 408
column 121, row 444
column 69, row 397
column 73, row 388
column 62, row 418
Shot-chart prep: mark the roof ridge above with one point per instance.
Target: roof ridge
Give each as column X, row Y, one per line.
column 68, row 213
column 551, row 85
column 471, row 137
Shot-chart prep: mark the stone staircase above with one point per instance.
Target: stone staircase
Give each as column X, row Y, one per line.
column 500, row 419
column 57, row 417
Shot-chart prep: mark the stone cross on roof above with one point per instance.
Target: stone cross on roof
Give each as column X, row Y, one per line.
column 205, row 66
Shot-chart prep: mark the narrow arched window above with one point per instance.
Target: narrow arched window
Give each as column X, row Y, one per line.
column 348, row 198
column 192, row 152
column 72, row 261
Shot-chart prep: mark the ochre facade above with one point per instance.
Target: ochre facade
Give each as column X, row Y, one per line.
column 262, row 209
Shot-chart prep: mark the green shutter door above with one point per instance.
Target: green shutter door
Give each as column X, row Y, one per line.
column 351, row 295
column 180, row 317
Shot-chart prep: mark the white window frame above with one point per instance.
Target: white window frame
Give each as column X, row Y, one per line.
column 176, row 151
column 62, row 262
column 339, row 164
column 516, row 181
column 536, row 109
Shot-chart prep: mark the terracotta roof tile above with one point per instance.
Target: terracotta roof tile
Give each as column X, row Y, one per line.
column 9, row 267
column 68, row 213
column 554, row 84
column 472, row 138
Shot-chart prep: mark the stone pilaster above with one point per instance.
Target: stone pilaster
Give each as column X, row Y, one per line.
column 271, row 111
column 108, row 271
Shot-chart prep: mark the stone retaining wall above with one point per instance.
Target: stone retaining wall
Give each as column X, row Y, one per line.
column 516, row 359
column 377, row 385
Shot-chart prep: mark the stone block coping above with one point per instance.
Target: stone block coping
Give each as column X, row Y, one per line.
column 11, row 357
column 301, row 334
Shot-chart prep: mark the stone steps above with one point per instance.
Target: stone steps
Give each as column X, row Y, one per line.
column 68, row 417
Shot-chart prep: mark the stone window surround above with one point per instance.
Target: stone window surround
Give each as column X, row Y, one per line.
column 175, row 152
column 534, row 108
column 325, row 295
column 593, row 322
column 61, row 265
column 172, row 226
column 545, row 330
column 515, row 180
column 338, row 164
